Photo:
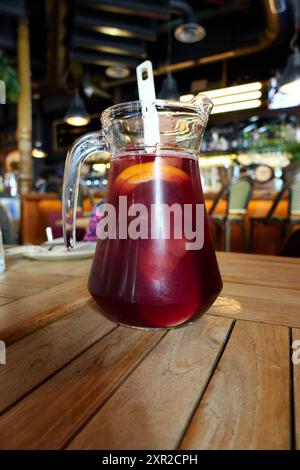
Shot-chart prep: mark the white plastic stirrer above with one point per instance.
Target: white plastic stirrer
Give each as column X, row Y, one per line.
column 146, row 88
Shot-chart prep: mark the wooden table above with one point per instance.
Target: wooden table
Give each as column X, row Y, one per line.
column 75, row 380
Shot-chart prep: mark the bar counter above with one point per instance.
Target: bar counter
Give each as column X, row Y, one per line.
column 74, row 380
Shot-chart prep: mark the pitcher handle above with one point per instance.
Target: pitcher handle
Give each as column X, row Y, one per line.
column 78, row 152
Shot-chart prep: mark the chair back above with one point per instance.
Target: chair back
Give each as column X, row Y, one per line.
column 292, row 245
column 239, row 194
column 294, row 199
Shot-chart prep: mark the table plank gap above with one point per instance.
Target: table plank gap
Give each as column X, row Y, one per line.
column 35, row 358
column 14, row 292
column 5, row 300
column 250, row 321
column 114, row 390
column 23, row 316
column 217, row 360
column 60, row 406
column 247, row 403
column 157, row 399
column 257, row 310
column 262, row 292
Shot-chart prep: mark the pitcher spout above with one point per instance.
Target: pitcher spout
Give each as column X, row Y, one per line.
column 203, row 106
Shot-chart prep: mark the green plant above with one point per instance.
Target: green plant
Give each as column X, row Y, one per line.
column 294, row 149
column 10, row 77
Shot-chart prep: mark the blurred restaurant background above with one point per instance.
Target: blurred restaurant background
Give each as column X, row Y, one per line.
column 64, row 62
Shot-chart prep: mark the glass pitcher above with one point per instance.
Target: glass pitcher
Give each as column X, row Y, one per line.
column 154, row 265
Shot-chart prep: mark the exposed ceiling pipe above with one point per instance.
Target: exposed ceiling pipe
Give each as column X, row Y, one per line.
column 226, row 9
column 265, row 40
column 268, row 36
column 182, row 6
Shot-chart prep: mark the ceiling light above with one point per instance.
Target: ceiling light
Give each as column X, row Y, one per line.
column 217, row 160
column 101, row 167
column 189, row 33
column 38, row 134
column 225, row 108
column 77, row 115
column 285, row 100
column 235, row 94
column 232, row 90
column 37, row 151
column 250, row 95
column 117, row 72
column 113, row 31
column 290, row 82
column 186, row 98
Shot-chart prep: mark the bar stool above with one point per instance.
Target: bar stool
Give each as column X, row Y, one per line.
column 286, row 222
column 238, row 194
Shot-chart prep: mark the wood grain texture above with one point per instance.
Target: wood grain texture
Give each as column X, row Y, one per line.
column 262, row 271
column 26, row 315
column 65, row 385
column 151, row 409
column 255, row 309
column 38, row 279
column 50, row 415
column 35, row 357
column 247, row 402
column 296, row 377
column 11, row 291
column 5, row 300
column 286, row 296
column 224, row 257
column 61, row 268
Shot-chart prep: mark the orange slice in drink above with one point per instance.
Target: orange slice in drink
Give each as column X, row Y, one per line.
column 145, row 172
column 159, row 258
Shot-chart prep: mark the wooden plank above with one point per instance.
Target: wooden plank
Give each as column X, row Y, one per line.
column 39, row 279
column 16, row 291
column 62, row 268
column 5, row 300
column 247, row 402
column 26, row 315
column 35, row 357
column 265, row 311
column 264, row 273
column 296, row 376
column 287, row 296
column 50, row 415
column 157, row 400
column 224, row 257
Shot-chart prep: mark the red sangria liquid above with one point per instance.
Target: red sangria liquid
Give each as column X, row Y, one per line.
column 154, row 283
